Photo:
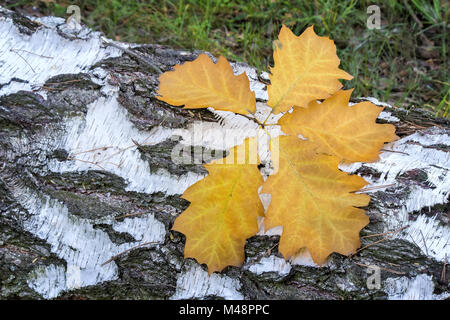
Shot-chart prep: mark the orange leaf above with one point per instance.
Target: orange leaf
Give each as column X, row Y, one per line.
column 224, row 209
column 350, row 133
column 313, row 202
column 202, row 83
column 306, row 68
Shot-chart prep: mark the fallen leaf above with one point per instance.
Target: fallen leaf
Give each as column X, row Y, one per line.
column 224, row 209
column 347, row 132
column 313, row 201
column 202, row 83
column 305, row 69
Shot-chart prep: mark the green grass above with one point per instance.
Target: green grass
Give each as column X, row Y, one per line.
column 405, row 62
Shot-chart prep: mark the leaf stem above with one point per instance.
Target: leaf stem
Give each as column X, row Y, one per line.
column 264, row 123
column 254, row 119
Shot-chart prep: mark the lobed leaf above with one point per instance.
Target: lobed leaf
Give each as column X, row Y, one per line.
column 305, row 69
column 314, row 203
column 347, row 132
column 224, row 209
column 202, row 83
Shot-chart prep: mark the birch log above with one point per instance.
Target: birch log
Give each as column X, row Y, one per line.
column 89, row 190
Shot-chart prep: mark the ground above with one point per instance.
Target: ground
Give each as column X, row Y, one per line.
column 404, row 63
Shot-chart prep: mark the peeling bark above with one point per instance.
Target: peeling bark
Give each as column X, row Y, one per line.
column 88, row 190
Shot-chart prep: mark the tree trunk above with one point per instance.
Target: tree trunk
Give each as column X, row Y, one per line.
column 89, row 191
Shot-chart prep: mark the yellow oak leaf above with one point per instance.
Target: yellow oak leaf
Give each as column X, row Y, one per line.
column 347, row 132
column 305, row 69
column 202, row 83
column 224, row 209
column 311, row 198
column 314, row 203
